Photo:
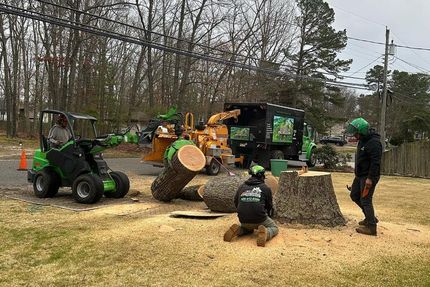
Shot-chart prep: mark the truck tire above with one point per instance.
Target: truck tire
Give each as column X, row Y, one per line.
column 277, row 154
column 213, row 168
column 87, row 188
column 46, row 183
column 312, row 160
column 122, row 185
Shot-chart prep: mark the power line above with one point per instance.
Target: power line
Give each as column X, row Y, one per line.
column 127, row 38
column 413, row 65
column 395, row 45
column 172, row 37
column 101, row 32
column 137, row 28
column 358, row 16
column 366, row 41
column 413, row 51
column 350, row 86
column 412, row 48
column 366, row 66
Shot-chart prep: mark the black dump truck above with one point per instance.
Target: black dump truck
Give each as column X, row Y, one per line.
column 265, row 131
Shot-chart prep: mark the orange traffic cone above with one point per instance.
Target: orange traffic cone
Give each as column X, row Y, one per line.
column 23, row 162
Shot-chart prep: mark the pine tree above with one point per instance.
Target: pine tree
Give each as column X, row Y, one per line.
column 318, row 47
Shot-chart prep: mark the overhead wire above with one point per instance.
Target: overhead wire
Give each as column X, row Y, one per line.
column 171, row 37
column 356, row 15
column 102, row 32
column 413, row 51
column 366, row 66
column 395, row 45
column 413, row 65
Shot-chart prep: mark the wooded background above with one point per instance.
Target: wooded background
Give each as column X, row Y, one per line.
column 127, row 61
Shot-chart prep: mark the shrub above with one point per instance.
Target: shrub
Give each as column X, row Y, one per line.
column 329, row 158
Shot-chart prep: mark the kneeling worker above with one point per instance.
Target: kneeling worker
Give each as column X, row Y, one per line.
column 253, row 201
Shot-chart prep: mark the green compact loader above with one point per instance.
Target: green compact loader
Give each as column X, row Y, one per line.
column 78, row 163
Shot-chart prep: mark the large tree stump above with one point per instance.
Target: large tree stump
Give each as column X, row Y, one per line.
column 183, row 167
column 308, row 198
column 273, row 183
column 219, row 191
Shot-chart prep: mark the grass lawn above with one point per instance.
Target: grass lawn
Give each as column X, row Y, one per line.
column 46, row 246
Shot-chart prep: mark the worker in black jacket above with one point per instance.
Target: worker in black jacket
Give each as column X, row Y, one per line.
column 367, row 172
column 253, row 201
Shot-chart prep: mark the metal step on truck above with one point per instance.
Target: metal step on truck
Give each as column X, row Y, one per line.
column 265, row 131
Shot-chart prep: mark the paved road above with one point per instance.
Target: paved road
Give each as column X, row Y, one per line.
column 10, row 177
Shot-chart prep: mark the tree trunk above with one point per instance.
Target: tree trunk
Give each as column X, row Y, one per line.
column 193, row 193
column 308, row 198
column 220, row 191
column 175, row 95
column 183, row 167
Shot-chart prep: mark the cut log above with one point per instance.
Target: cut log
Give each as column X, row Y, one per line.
column 183, row 167
column 308, row 198
column 193, row 193
column 219, row 192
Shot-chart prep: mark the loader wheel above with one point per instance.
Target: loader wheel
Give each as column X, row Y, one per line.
column 122, row 185
column 213, row 168
column 46, row 183
column 87, row 188
column 312, row 159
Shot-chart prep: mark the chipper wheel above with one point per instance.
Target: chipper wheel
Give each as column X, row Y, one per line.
column 213, row 168
column 46, row 183
column 87, row 188
column 122, row 185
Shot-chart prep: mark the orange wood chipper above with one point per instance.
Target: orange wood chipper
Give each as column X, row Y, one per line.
column 211, row 138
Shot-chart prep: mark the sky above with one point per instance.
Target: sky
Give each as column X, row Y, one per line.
column 408, row 22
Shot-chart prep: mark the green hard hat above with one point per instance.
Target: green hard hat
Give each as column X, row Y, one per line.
column 358, row 126
column 257, row 170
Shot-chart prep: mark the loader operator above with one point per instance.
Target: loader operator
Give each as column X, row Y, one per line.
column 254, row 205
column 59, row 133
column 367, row 172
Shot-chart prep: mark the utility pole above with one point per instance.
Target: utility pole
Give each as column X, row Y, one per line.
column 384, row 95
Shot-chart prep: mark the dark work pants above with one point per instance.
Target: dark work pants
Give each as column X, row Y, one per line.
column 365, row 203
column 248, row 228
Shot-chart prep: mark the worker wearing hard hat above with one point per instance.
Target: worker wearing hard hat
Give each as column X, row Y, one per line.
column 254, row 204
column 367, row 172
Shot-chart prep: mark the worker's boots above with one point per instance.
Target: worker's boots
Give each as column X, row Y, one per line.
column 261, row 236
column 231, row 233
column 364, row 222
column 367, row 230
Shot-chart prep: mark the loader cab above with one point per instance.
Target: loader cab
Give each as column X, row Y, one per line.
column 81, row 127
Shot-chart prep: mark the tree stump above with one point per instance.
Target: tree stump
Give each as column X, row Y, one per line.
column 183, row 167
column 273, row 183
column 308, row 198
column 192, row 193
column 219, row 191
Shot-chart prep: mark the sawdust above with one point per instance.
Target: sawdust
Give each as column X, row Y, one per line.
column 154, row 249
